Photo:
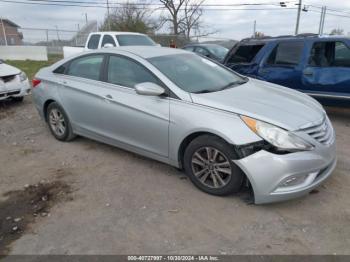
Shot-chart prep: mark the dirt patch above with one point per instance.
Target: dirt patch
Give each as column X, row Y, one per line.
column 24, row 207
column 6, row 108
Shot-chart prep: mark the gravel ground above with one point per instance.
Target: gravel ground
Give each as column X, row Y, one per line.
column 121, row 203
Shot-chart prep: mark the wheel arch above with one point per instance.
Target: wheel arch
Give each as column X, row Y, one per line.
column 46, row 105
column 190, row 137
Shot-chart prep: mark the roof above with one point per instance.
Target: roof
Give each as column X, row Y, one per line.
column 117, row 33
column 202, row 44
column 9, row 22
column 291, row 37
column 148, row 51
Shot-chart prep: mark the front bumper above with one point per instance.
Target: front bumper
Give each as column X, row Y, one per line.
column 267, row 172
column 14, row 89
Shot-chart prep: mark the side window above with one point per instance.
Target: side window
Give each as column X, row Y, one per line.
column 245, row 54
column 202, row 51
column 330, row 54
column 93, row 42
column 61, row 69
column 126, row 72
column 107, row 39
column 87, row 67
column 286, row 53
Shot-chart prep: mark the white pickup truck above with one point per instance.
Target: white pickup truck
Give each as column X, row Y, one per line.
column 110, row 39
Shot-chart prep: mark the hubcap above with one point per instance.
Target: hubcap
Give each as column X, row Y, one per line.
column 57, row 123
column 211, row 167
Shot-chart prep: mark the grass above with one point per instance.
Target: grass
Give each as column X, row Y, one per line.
column 32, row 67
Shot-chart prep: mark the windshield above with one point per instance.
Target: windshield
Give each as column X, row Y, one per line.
column 196, row 74
column 218, row 51
column 128, row 40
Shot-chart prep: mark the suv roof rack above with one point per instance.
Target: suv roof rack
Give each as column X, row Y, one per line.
column 279, row 37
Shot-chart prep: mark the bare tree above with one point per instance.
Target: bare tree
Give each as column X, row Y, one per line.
column 129, row 17
column 337, row 31
column 192, row 17
column 183, row 15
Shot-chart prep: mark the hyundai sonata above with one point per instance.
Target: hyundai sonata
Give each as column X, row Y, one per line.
column 223, row 129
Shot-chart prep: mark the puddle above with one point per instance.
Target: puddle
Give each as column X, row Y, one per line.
column 21, row 208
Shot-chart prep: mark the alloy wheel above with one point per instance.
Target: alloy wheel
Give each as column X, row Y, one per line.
column 57, row 122
column 211, row 167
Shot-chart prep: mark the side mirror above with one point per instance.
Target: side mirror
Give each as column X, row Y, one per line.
column 108, row 45
column 149, row 89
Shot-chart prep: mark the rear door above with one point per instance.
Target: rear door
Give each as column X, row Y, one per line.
column 80, row 94
column 327, row 70
column 283, row 64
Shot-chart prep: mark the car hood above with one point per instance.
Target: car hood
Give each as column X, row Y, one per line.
column 268, row 102
column 6, row 70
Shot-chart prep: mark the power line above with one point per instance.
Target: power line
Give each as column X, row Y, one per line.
column 60, row 3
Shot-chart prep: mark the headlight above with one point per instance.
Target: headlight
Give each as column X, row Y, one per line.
column 278, row 137
column 23, row 76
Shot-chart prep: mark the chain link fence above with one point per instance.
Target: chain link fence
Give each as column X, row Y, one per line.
column 55, row 39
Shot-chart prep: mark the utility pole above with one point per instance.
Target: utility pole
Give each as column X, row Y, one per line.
column 298, row 18
column 86, row 20
column 321, row 20
column 58, row 36
column 254, row 29
column 3, row 30
column 324, row 18
column 108, row 18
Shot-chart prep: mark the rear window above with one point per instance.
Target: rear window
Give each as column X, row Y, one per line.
column 245, row 53
column 286, row 53
column 135, row 40
column 93, row 42
column 330, row 54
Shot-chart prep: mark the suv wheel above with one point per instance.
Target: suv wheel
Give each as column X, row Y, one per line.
column 208, row 163
column 59, row 123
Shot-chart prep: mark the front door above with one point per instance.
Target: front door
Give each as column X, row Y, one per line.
column 136, row 120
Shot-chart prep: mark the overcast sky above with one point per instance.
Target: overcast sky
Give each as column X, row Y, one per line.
column 234, row 24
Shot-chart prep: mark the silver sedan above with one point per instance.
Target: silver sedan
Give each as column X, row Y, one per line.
column 223, row 129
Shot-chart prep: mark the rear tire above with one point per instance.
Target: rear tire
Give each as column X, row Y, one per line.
column 59, row 123
column 208, row 163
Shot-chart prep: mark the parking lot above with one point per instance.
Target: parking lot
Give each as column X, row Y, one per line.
column 121, row 203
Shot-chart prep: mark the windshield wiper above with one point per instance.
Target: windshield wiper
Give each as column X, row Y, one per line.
column 235, row 83
column 229, row 85
column 205, row 91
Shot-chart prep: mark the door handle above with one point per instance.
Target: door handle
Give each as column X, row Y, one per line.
column 109, row 97
column 265, row 71
column 308, row 72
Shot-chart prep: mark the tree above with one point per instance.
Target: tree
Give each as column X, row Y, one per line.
column 183, row 15
column 192, row 15
column 130, row 17
column 259, row 35
column 337, row 31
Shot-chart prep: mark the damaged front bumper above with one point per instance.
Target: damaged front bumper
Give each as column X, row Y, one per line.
column 281, row 177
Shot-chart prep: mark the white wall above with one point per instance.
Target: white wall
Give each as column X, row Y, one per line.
column 38, row 53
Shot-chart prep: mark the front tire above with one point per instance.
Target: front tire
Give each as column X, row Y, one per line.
column 18, row 98
column 208, row 163
column 59, row 123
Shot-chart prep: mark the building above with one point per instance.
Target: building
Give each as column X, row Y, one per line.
column 9, row 34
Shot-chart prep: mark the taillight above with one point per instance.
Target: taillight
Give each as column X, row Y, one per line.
column 35, row 82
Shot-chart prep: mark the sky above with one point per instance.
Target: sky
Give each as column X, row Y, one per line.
column 230, row 24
